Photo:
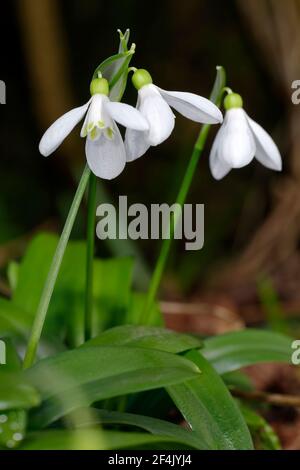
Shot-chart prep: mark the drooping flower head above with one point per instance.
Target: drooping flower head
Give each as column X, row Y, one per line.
column 239, row 140
column 105, row 150
column 155, row 105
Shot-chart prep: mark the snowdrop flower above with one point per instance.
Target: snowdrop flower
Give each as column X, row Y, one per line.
column 239, row 140
column 105, row 150
column 154, row 104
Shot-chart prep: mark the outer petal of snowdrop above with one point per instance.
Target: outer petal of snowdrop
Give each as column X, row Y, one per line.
column 136, row 144
column 218, row 167
column 158, row 114
column 267, row 152
column 193, row 106
column 60, row 129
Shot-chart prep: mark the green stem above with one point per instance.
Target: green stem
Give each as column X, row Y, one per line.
column 92, row 203
column 41, row 313
column 155, row 281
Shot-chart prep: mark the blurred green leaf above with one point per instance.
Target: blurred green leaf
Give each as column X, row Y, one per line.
column 136, row 304
column 112, row 284
column 233, row 351
column 88, row 439
column 13, row 319
column 12, row 428
column 13, row 274
column 152, row 425
column 15, row 390
column 271, row 306
column 89, row 374
column 210, row 410
column 264, row 435
column 146, row 337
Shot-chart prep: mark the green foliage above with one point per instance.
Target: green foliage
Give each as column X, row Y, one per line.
column 208, row 407
column 233, row 351
column 115, row 370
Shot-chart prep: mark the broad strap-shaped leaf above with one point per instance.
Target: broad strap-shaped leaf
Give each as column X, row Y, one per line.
column 210, row 410
column 91, row 439
column 238, row 349
column 146, row 337
column 78, row 378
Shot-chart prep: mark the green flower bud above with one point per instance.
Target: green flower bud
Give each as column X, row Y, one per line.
column 233, row 100
column 140, row 78
column 99, row 86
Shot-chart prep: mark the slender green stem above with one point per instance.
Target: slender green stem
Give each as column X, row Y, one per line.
column 41, row 313
column 166, row 245
column 92, row 202
column 155, row 281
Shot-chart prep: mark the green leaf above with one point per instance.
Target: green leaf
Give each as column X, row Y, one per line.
column 210, row 410
column 90, row 439
column 15, row 391
column 33, row 271
column 12, row 428
column 13, row 274
column 13, row 319
column 152, row 425
column 271, row 305
column 136, row 304
column 86, row 375
column 264, row 435
column 146, row 337
column 112, row 283
column 233, row 351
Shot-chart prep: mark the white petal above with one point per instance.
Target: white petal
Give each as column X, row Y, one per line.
column 136, row 144
column 267, row 152
column 60, row 129
column 127, row 116
column 193, row 107
column 237, row 147
column 106, row 157
column 218, row 167
column 158, row 114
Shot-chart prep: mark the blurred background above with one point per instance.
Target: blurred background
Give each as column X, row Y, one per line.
column 50, row 49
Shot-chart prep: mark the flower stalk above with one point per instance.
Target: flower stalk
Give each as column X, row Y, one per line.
column 216, row 97
column 91, row 222
column 41, row 313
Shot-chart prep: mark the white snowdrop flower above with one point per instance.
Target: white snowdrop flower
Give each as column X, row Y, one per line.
column 155, row 105
column 239, row 140
column 105, row 150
